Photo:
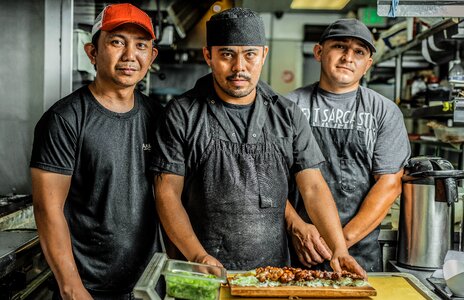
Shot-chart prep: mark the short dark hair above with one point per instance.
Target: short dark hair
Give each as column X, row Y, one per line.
column 95, row 38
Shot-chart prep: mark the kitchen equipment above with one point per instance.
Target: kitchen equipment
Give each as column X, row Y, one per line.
column 441, row 289
column 145, row 288
column 24, row 272
column 458, row 111
column 426, row 230
column 453, row 272
column 12, row 203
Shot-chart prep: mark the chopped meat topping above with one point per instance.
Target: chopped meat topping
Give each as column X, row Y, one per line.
column 287, row 274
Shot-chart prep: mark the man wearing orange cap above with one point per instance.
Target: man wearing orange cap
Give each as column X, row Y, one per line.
column 92, row 191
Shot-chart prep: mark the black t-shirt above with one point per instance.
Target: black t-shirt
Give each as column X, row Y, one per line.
column 110, row 208
column 239, row 116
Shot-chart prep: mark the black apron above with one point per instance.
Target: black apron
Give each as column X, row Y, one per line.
column 349, row 179
column 237, row 198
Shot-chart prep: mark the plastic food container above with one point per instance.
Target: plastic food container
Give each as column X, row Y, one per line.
column 187, row 280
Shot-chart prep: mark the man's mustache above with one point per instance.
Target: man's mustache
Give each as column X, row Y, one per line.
column 239, row 76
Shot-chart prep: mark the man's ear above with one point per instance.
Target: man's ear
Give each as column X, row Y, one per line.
column 155, row 54
column 317, row 51
column 368, row 65
column 265, row 52
column 91, row 52
column 207, row 56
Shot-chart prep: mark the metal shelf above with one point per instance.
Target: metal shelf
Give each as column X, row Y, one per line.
column 442, row 145
column 442, row 25
column 449, row 110
column 432, row 112
column 429, row 112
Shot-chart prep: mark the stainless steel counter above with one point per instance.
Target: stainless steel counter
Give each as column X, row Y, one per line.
column 23, row 269
column 422, row 275
column 11, row 243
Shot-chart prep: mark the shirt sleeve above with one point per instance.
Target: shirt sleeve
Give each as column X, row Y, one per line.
column 392, row 148
column 54, row 146
column 306, row 152
column 169, row 141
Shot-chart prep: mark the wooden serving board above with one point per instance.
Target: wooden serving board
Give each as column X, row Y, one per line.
column 306, row 292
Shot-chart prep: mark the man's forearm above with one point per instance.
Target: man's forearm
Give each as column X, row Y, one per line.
column 321, row 208
column 177, row 225
column 174, row 218
column 55, row 241
column 292, row 219
column 374, row 208
column 49, row 191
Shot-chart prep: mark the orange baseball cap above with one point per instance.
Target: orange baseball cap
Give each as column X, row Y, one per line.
column 115, row 15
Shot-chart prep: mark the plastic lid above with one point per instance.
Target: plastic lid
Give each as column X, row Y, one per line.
column 195, row 271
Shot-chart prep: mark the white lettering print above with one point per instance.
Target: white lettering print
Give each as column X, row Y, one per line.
column 341, row 119
column 146, row 147
column 368, row 124
column 334, row 118
column 316, row 115
column 306, row 112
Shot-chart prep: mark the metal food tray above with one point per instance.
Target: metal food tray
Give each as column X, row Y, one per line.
column 145, row 288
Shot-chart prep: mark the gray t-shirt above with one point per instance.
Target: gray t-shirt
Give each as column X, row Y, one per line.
column 378, row 117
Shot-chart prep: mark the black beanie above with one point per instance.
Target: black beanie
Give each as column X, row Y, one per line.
column 235, row 27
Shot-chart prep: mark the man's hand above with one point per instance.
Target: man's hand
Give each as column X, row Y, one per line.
column 309, row 245
column 209, row 260
column 347, row 263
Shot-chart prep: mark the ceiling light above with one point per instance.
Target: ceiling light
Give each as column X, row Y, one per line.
column 319, row 4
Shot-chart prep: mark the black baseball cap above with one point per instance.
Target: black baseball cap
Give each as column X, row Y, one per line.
column 352, row 28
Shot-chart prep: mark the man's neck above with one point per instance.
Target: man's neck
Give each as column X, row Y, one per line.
column 337, row 89
column 116, row 100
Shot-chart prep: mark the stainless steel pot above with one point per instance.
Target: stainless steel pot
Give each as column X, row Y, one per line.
column 427, row 212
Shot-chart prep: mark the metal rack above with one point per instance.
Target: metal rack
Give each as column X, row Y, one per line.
column 440, row 112
column 451, row 110
column 398, row 53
